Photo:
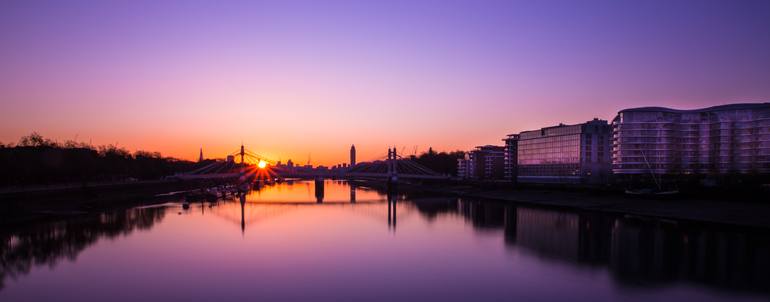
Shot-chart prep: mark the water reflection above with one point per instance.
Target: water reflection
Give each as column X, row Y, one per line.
column 353, row 188
column 242, row 199
column 392, row 207
column 638, row 252
column 48, row 243
column 635, row 252
column 319, row 190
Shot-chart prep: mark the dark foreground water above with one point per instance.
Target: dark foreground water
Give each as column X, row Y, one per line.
column 281, row 244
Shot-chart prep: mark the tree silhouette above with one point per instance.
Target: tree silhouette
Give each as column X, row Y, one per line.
column 441, row 162
column 38, row 160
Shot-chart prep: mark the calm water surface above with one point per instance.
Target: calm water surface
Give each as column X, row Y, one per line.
column 293, row 242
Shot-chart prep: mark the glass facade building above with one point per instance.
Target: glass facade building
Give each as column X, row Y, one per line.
column 565, row 153
column 717, row 140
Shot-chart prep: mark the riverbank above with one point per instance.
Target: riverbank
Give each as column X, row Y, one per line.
column 35, row 203
column 747, row 211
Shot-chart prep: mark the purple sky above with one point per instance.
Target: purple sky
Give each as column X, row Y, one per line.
column 292, row 78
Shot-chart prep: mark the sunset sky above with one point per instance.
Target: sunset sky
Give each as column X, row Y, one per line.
column 293, row 78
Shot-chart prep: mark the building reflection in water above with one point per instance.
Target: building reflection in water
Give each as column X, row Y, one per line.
column 639, row 252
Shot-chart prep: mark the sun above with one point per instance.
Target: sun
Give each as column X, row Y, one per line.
column 262, row 164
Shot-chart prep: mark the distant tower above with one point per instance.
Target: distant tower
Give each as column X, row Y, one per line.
column 352, row 155
column 200, row 158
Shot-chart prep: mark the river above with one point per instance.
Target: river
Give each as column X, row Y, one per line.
column 294, row 242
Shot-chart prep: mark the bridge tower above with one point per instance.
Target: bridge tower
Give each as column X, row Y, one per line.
column 392, row 165
column 392, row 187
column 242, row 153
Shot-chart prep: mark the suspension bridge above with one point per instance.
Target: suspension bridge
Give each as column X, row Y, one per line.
column 246, row 166
column 393, row 167
column 249, row 167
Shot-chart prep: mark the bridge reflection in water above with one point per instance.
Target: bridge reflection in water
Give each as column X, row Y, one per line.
column 260, row 205
column 638, row 253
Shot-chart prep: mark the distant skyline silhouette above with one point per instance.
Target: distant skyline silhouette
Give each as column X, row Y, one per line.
column 293, row 78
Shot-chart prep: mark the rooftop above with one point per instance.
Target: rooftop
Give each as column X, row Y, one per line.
column 556, row 126
column 737, row 106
